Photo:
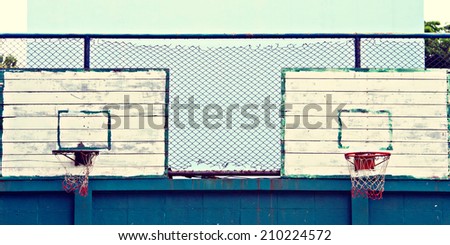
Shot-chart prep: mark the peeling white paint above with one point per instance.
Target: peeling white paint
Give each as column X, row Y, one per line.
column 32, row 101
column 417, row 102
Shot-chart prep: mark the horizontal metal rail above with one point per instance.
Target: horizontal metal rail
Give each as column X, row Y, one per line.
column 230, row 36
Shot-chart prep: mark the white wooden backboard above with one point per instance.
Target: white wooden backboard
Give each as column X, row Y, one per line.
column 401, row 112
column 121, row 113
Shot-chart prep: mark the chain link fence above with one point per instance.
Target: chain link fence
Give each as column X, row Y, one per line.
column 229, row 88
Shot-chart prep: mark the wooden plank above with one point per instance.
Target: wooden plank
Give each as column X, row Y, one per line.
column 84, row 121
column 340, row 74
column 405, row 110
column 105, row 165
column 381, row 123
column 51, row 123
column 109, row 171
column 18, row 86
column 376, row 135
column 52, row 110
column 320, row 74
column 30, row 148
column 367, row 97
column 45, row 135
column 423, row 172
column 361, row 85
column 26, row 148
column 102, row 160
column 337, row 161
column 399, row 148
column 425, row 74
column 64, row 98
column 85, row 75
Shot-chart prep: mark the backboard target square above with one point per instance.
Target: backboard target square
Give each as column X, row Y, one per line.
column 362, row 129
column 92, row 128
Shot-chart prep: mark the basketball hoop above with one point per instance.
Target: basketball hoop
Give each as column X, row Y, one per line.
column 367, row 172
column 79, row 156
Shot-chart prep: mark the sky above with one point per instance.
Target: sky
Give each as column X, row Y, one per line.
column 34, row 16
column 437, row 10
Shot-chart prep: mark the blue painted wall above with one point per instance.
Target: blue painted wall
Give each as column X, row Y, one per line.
column 411, row 208
column 216, row 201
column 36, row 208
column 221, row 207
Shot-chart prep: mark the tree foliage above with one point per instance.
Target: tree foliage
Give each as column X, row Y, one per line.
column 437, row 50
column 8, row 62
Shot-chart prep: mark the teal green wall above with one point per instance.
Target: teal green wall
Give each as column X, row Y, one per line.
column 222, row 201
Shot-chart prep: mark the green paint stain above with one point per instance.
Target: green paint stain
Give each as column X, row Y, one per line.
column 340, row 146
column 283, row 123
column 285, row 70
column 448, row 124
column 2, row 87
column 166, row 126
column 87, row 112
column 389, row 147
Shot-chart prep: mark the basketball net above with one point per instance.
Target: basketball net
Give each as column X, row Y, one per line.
column 80, row 182
column 367, row 173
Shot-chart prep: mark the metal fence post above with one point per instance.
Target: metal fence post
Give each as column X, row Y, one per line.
column 87, row 53
column 357, row 52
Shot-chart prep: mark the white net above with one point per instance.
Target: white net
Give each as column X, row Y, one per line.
column 367, row 173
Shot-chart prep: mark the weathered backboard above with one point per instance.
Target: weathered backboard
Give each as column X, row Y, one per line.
column 93, row 129
column 122, row 114
column 329, row 113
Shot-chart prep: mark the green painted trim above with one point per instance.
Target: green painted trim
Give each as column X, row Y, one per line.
column 58, row 128
column 142, row 177
column 146, row 177
column 359, row 110
column 285, row 70
column 448, row 122
column 166, row 123
column 2, row 86
column 81, row 70
column 21, row 70
column 283, row 123
column 37, row 184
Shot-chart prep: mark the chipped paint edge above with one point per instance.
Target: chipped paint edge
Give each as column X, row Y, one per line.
column 283, row 124
column 360, row 110
column 448, row 121
column 2, row 86
column 166, row 123
column 86, row 112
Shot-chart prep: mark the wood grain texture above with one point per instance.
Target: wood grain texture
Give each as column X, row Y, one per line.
column 32, row 101
column 405, row 110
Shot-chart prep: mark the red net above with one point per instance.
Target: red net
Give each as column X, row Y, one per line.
column 72, row 183
column 367, row 173
column 77, row 182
